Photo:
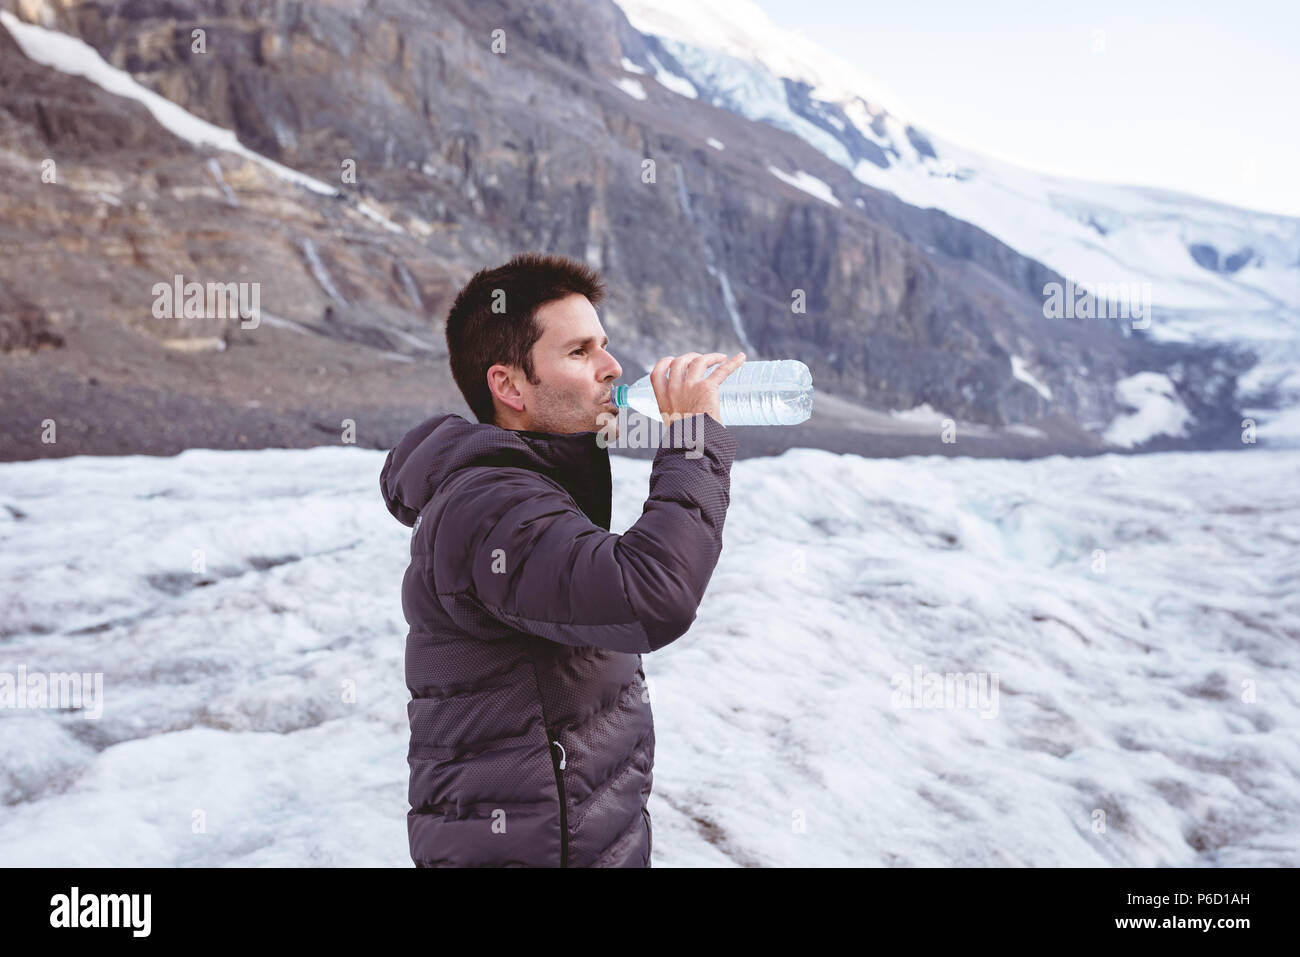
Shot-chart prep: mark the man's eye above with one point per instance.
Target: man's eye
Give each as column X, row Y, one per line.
column 576, row 351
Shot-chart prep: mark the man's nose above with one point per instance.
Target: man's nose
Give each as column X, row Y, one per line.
column 614, row 370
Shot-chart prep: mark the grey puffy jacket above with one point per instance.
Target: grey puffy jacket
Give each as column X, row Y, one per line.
column 532, row 740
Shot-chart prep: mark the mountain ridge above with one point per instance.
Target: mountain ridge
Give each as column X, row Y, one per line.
column 906, row 307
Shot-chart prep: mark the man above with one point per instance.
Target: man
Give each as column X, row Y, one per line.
column 532, row 739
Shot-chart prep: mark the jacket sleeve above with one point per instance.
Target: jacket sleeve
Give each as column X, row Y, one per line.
column 512, row 544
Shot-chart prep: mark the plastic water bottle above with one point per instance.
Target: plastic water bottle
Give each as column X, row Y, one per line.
column 776, row 392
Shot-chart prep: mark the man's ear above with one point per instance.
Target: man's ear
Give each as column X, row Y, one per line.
column 501, row 380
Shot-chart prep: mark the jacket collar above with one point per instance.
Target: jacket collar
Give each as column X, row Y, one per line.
column 578, row 463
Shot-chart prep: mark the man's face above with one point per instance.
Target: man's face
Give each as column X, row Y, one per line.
column 575, row 373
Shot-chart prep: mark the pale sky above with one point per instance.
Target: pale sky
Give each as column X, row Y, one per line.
column 1196, row 96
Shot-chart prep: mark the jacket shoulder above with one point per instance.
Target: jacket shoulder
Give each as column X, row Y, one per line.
column 494, row 481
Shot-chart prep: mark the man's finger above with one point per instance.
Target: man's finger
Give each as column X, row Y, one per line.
column 703, row 362
column 728, row 367
column 658, row 371
column 675, row 372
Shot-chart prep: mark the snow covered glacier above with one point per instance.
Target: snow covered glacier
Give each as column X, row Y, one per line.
column 1127, row 627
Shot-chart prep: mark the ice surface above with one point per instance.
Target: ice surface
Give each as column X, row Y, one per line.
column 1141, row 615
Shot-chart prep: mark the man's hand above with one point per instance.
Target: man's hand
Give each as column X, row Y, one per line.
column 682, row 389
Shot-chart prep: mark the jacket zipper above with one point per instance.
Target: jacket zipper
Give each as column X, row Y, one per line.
column 558, row 763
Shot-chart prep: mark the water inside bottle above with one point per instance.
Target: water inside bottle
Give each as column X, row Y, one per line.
column 762, row 392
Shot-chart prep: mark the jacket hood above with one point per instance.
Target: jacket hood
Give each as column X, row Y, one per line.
column 446, row 443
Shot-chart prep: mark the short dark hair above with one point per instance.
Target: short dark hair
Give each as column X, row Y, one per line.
column 478, row 337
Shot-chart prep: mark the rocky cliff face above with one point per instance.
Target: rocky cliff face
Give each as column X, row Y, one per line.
column 476, row 130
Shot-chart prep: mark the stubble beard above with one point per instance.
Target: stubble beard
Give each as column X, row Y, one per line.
column 563, row 412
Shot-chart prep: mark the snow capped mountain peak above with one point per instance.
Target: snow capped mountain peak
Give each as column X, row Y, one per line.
column 1214, row 273
column 741, row 30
